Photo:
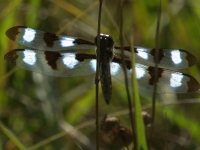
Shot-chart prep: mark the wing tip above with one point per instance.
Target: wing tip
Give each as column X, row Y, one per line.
column 190, row 58
column 11, row 57
column 193, row 84
column 13, row 31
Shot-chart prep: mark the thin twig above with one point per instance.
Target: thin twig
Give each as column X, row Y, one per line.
column 97, row 76
column 156, row 66
column 125, row 71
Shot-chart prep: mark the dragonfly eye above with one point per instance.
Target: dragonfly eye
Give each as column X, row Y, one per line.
column 106, row 41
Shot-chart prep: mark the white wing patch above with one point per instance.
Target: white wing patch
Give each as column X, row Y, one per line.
column 114, row 68
column 29, row 34
column 29, row 57
column 69, row 60
column 65, row 42
column 140, row 72
column 176, row 79
column 176, row 56
column 93, row 64
column 142, row 53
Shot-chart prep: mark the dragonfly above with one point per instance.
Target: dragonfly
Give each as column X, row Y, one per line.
column 69, row 56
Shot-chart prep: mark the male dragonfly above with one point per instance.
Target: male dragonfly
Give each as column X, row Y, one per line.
column 68, row 56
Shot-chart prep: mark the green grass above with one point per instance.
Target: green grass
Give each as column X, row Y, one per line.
column 33, row 106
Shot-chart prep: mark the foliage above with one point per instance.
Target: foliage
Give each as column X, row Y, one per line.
column 36, row 109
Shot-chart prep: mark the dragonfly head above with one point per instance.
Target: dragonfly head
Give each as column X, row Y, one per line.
column 106, row 41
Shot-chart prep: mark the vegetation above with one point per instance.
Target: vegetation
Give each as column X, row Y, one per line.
column 40, row 112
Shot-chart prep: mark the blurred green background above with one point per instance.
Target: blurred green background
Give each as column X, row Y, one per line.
column 38, row 108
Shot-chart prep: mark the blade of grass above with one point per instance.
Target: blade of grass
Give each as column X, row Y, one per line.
column 139, row 123
column 11, row 136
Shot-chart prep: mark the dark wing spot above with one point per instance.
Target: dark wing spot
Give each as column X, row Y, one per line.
column 81, row 56
column 50, row 38
column 190, row 58
column 151, row 71
column 80, row 41
column 127, row 62
column 52, row 58
column 13, row 32
column 11, row 57
column 193, row 84
column 160, row 56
